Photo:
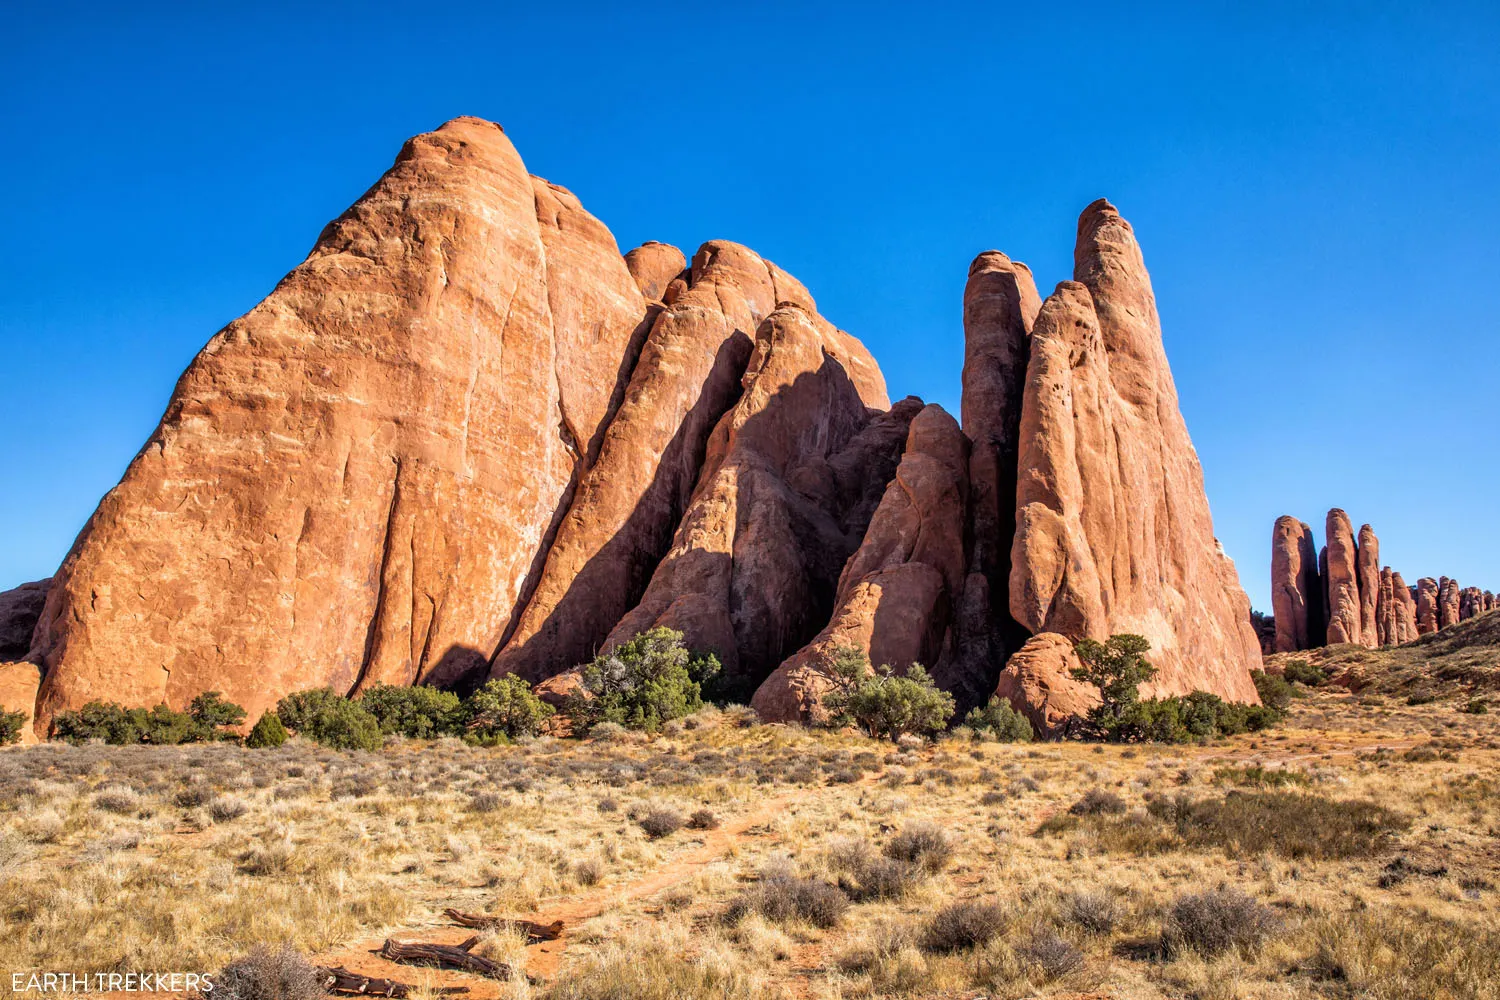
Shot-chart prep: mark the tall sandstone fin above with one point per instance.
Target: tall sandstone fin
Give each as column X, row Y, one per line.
column 1113, row 530
column 1367, row 569
column 1342, row 580
column 1296, row 590
column 896, row 593
column 792, row 476
column 623, row 516
column 352, row 481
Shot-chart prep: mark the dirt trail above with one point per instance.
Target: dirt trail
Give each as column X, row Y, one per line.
column 544, row 959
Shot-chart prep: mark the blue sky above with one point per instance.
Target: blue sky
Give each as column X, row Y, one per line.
column 1315, row 194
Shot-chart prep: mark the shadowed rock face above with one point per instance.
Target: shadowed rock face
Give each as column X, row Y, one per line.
column 897, row 592
column 1113, row 532
column 792, row 476
column 352, row 480
column 19, row 611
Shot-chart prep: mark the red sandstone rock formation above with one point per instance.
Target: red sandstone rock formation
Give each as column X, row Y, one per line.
column 351, row 481
column 897, row 592
column 1038, row 682
column 1296, row 589
column 653, row 265
column 1428, row 613
column 1342, row 581
column 793, row 474
column 1448, row 602
column 19, row 610
column 1385, row 609
column 1113, row 532
column 19, row 681
column 1405, row 613
column 1367, row 569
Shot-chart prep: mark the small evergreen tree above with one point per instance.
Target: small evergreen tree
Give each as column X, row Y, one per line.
column 892, row 705
column 846, row 666
column 420, row 712
column 161, row 726
column 503, row 709
column 267, row 733
column 641, row 683
column 1001, row 721
column 11, row 724
column 1274, row 691
column 1117, row 668
column 97, row 720
column 212, row 716
column 330, row 719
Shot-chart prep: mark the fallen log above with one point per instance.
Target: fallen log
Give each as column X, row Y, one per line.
column 444, row 956
column 341, row 980
column 483, row 921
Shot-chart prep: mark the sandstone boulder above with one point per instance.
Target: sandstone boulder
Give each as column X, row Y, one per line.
column 897, row 593
column 1296, row 589
column 19, row 682
column 792, row 476
column 1113, row 531
column 352, row 482
column 653, row 265
column 1038, row 682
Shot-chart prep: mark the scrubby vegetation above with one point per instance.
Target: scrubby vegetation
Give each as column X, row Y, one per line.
column 208, row 718
column 11, row 724
column 882, row 702
column 999, row 721
column 641, row 683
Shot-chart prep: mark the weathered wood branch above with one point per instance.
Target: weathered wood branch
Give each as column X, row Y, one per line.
column 444, row 956
column 483, row 921
column 341, row 980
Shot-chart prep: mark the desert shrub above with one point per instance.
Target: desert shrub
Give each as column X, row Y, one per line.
column 660, row 823
column 588, row 871
column 922, row 844
column 1217, row 921
column 895, row 705
column 1097, row 802
column 1117, row 668
column 267, row 733
column 1275, row 692
column 1051, row 954
column 1291, row 824
column 865, row 876
column 1197, row 716
column 121, row 801
column 193, row 796
column 330, row 719
column 420, row 712
column 608, row 805
column 266, row 974
column 781, row 896
column 486, row 802
column 641, row 683
column 993, row 797
column 161, row 726
column 1001, row 722
column 1302, row 672
column 703, row 819
column 97, row 720
column 212, row 716
column 1257, row 776
column 1095, row 912
column 962, row 926
column 11, row 724
column 1475, row 706
column 227, row 809
column 505, row 708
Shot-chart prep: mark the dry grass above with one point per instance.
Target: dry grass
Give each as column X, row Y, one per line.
column 1378, row 867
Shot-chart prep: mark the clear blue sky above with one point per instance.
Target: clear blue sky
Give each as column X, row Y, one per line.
column 1316, row 196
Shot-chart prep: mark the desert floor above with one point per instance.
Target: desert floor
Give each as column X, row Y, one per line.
column 1365, row 832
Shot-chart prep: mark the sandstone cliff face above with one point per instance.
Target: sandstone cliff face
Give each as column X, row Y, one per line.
column 1427, row 605
column 351, row 481
column 19, row 611
column 620, row 523
column 791, row 479
column 1296, row 588
column 1113, row 532
column 897, row 592
column 19, row 682
column 1447, row 602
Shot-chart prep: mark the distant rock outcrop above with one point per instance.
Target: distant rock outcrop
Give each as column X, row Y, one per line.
column 1296, row 588
column 1367, row 604
column 19, row 611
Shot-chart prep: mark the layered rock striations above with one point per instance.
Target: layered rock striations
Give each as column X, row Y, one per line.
column 468, row 437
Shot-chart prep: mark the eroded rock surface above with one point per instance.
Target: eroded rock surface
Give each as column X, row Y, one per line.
column 1296, row 588
column 20, row 609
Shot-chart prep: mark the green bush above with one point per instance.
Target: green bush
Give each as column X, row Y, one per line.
column 1117, row 668
column 1302, row 672
column 503, row 709
column 211, row 715
column 420, row 712
column 1000, row 721
column 1475, row 706
column 163, row 727
column 97, row 720
column 11, row 724
column 330, row 719
column 267, row 733
column 1275, row 692
column 641, row 683
column 882, row 702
